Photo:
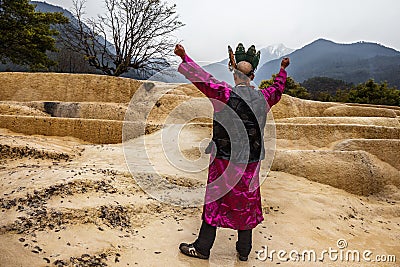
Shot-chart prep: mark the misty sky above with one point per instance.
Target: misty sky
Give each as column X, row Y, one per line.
column 213, row 24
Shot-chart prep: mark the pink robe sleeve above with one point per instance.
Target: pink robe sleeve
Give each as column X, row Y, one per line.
column 274, row 93
column 218, row 92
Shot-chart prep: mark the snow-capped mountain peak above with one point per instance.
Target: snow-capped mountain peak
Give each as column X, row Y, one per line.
column 273, row 52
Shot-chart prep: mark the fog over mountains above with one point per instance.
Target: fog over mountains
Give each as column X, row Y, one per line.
column 355, row 63
column 352, row 63
column 220, row 69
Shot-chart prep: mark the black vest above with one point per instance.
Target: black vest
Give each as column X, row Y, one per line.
column 238, row 129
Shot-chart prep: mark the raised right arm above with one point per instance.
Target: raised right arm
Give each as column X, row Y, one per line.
column 204, row 81
column 218, row 92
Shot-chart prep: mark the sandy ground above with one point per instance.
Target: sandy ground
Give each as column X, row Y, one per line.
column 67, row 203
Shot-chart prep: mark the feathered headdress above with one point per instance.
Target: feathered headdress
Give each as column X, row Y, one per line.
column 251, row 56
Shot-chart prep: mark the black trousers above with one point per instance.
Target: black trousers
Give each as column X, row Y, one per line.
column 207, row 235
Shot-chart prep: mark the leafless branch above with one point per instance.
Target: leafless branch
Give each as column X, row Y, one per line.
column 140, row 32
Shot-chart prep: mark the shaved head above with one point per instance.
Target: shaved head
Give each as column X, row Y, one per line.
column 244, row 67
column 243, row 73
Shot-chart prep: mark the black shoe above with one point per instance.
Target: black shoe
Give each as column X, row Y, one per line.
column 242, row 258
column 189, row 250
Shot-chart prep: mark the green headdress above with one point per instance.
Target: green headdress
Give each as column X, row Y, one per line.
column 251, row 56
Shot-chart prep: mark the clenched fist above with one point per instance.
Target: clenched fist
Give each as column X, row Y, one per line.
column 180, row 51
column 285, row 63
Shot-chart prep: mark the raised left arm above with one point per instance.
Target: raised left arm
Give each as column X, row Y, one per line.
column 274, row 93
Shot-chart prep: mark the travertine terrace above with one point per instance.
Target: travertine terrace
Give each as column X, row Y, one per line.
column 68, row 199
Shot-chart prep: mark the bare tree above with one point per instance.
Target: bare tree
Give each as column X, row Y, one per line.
column 139, row 31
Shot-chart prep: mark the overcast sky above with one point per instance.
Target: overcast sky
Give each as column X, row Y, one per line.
column 213, row 24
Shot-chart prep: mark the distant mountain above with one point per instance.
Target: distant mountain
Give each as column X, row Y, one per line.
column 354, row 63
column 45, row 7
column 220, row 69
column 273, row 52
